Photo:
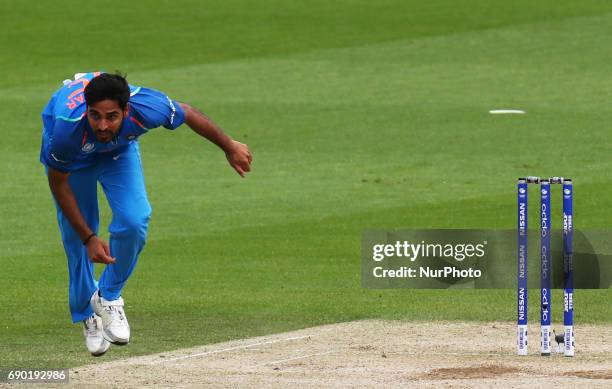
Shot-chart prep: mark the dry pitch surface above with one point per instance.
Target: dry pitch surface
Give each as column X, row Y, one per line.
column 367, row 354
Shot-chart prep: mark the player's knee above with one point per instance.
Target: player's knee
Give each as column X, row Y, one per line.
column 133, row 223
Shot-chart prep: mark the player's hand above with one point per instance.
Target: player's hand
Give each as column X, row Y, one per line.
column 98, row 251
column 239, row 157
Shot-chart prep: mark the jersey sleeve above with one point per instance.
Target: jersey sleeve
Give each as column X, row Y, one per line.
column 62, row 147
column 156, row 109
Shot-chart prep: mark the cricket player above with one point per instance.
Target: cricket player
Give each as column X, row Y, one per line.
column 90, row 135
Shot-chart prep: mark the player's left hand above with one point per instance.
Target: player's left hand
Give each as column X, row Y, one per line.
column 239, row 157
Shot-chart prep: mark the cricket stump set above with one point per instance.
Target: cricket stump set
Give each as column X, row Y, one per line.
column 545, row 265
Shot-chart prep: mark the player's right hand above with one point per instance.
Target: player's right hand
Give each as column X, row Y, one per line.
column 98, row 251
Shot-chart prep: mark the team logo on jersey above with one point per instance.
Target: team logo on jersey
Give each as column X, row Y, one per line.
column 131, row 137
column 88, row 147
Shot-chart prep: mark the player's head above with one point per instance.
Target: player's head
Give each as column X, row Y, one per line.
column 107, row 97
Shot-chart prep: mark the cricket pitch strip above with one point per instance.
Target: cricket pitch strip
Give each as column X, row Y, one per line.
column 369, row 353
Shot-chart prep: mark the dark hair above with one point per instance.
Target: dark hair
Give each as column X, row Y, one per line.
column 108, row 86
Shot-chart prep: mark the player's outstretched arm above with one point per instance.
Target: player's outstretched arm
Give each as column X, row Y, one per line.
column 237, row 154
column 97, row 249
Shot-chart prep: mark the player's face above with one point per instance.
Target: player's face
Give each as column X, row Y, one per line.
column 105, row 118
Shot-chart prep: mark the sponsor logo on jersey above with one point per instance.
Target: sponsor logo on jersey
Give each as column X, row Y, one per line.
column 57, row 159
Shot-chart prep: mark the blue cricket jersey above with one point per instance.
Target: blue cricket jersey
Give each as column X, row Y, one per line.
column 68, row 142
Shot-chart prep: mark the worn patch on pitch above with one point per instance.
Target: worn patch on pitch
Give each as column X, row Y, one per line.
column 458, row 373
column 592, row 374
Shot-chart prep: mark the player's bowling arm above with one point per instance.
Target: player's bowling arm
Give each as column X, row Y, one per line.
column 58, row 182
column 97, row 250
column 237, row 154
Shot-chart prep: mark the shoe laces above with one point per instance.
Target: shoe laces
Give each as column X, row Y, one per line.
column 91, row 326
column 116, row 312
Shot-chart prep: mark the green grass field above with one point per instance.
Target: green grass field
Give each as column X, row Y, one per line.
column 359, row 114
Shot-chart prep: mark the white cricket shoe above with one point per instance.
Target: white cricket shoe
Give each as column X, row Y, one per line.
column 94, row 338
column 114, row 322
